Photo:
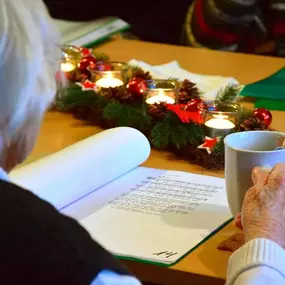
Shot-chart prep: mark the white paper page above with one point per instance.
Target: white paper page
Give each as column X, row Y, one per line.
column 75, row 171
column 160, row 218
column 99, row 198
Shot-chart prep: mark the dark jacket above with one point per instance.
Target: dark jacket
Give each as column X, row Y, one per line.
column 151, row 20
column 40, row 246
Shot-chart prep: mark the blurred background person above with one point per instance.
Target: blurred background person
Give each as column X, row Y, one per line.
column 251, row 26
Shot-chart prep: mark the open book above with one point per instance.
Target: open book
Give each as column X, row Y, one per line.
column 135, row 212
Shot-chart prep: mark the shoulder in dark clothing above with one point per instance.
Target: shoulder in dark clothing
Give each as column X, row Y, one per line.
column 39, row 245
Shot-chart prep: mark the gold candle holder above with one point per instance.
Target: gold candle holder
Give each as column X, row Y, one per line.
column 115, row 77
column 220, row 118
column 161, row 91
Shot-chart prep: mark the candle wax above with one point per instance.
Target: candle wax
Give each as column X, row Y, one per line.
column 67, row 67
column 221, row 124
column 106, row 82
column 160, row 98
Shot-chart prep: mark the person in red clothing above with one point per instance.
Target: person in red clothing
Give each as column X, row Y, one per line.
column 250, row 26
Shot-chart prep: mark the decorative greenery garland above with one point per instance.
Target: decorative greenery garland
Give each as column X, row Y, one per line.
column 164, row 125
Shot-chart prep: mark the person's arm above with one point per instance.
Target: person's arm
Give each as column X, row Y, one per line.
column 258, row 262
column 218, row 24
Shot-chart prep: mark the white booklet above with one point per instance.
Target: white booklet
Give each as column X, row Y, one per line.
column 135, row 212
column 91, row 32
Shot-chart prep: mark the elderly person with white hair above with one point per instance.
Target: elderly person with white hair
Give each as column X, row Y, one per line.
column 38, row 245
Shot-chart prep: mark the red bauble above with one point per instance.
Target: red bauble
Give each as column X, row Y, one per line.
column 103, row 66
column 192, row 105
column 85, row 51
column 264, row 115
column 137, row 86
column 87, row 62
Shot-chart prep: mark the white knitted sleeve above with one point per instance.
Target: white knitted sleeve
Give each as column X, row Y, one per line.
column 258, row 262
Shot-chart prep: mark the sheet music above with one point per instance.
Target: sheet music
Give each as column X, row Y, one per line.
column 160, row 218
column 165, row 194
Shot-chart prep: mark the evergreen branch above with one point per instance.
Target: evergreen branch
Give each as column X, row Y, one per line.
column 124, row 115
column 160, row 135
column 75, row 96
column 219, row 148
column 243, row 114
column 178, row 136
column 171, row 131
column 228, row 93
column 134, row 69
column 173, row 79
column 100, row 56
column 195, row 134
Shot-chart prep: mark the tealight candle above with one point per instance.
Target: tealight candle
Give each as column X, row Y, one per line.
column 221, row 124
column 160, row 98
column 109, row 82
column 218, row 126
column 67, row 66
column 220, row 118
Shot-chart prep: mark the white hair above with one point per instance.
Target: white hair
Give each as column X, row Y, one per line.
column 29, row 59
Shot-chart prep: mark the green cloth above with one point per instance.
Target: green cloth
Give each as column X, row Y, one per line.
column 269, row 92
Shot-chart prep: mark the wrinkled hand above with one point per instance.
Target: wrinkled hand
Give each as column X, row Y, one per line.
column 263, row 213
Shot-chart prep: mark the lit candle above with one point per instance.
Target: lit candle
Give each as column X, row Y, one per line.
column 107, row 82
column 160, row 98
column 219, row 126
column 67, row 66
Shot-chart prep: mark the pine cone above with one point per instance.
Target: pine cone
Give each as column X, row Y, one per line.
column 188, row 91
column 157, row 110
column 142, row 74
column 253, row 124
column 120, row 94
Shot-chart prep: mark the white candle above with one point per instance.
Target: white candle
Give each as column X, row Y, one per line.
column 106, row 82
column 221, row 124
column 160, row 98
column 67, row 67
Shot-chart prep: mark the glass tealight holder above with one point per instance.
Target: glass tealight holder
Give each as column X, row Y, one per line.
column 161, row 91
column 114, row 76
column 68, row 63
column 220, row 118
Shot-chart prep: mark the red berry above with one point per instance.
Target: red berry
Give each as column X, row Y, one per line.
column 264, row 115
column 87, row 62
column 85, row 51
column 137, row 86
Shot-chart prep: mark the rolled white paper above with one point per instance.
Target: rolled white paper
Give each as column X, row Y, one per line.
column 79, row 169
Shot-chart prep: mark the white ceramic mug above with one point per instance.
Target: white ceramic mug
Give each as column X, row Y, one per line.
column 244, row 151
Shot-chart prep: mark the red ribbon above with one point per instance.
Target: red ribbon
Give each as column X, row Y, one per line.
column 185, row 116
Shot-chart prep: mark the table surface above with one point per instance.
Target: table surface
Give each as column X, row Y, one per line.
column 205, row 265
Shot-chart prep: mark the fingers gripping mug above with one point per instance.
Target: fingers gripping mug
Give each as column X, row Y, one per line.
column 243, row 152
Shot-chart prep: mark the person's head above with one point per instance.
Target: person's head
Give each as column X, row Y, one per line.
column 29, row 59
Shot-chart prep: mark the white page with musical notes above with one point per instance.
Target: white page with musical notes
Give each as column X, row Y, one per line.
column 154, row 215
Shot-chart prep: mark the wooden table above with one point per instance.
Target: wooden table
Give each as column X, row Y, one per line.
column 205, row 265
